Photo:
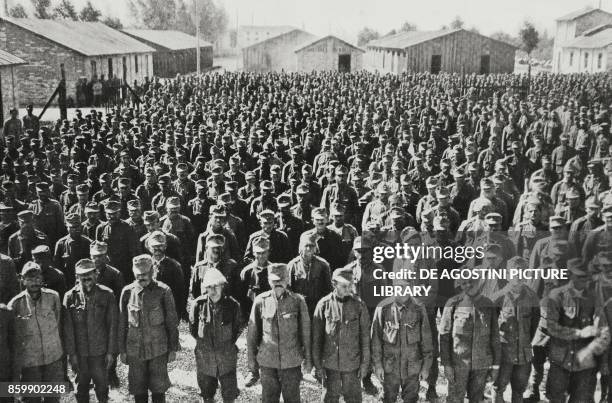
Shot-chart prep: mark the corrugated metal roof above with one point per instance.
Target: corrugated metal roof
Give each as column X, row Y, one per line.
column 7, row 59
column 86, row 38
column 599, row 40
column 577, row 14
column 404, row 40
column 312, row 42
column 173, row 40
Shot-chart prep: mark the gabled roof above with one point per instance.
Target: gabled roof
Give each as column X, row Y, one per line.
column 579, row 13
column 172, row 40
column 86, row 38
column 312, row 37
column 7, row 59
column 600, row 39
column 313, row 42
column 404, row 40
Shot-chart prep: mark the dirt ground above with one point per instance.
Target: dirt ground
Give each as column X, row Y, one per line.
column 185, row 389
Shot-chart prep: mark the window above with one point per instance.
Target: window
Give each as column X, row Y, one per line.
column 586, row 60
column 599, row 60
column 110, row 67
column 94, row 68
column 146, row 64
column 136, row 64
column 571, row 58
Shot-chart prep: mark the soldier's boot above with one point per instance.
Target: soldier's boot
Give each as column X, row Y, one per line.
column 251, row 379
column 603, row 381
column 158, row 398
column 368, row 386
column 533, row 395
column 208, row 400
column 144, row 398
column 82, row 398
column 497, row 397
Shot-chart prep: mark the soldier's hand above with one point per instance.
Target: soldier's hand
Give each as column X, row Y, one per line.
column 74, row 362
column 123, row 358
column 380, row 373
column 449, row 373
column 171, row 356
column 589, row 331
column 109, row 361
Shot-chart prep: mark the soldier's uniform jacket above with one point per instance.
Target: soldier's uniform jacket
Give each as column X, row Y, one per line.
column 122, row 244
column 329, row 244
column 524, row 237
column 20, row 247
column 231, row 249
column 469, row 335
column 49, row 218
column 345, row 195
column 280, row 248
column 564, row 313
column 6, row 230
column 89, row 228
column 540, row 250
column 112, row 278
column 401, row 338
column 140, row 229
column 9, row 284
column 37, row 328
column 279, row 331
column 90, row 322
column 7, row 339
column 312, row 282
column 254, row 279
column 169, row 272
column 68, row 251
column 174, row 248
column 347, row 233
column 216, row 327
column 596, row 241
column 518, row 322
column 148, row 323
column 341, row 334
column 181, row 227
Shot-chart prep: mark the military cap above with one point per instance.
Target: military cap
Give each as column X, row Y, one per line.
column 569, row 168
column 112, row 206
column 458, row 173
column 382, row 188
column 84, row 266
column 343, row 275
column 362, row 242
column 494, row 248
column 493, row 218
column 533, row 200
column 82, row 189
column 577, row 267
column 213, row 277
column 592, row 202
column 105, row 178
column 215, row 240
column 337, row 209
column 217, row 170
column 440, row 223
column 473, row 167
column 277, row 272
column 165, row 179
column 73, row 220
column 5, row 209
column 302, row 190
column 266, row 185
column 397, row 212
column 405, row 179
column 480, row 203
column 42, row 186
column 142, row 264
column 173, row 201
column 41, row 250
column 156, row 238
column 442, row 193
column 25, row 215
column 556, row 222
column 604, row 257
column 431, row 182
column 517, row 263
column 266, row 213
column 249, row 175
column 217, row 211
column 72, row 178
column 261, row 244
column 30, row 268
column 98, row 248
column 318, row 213
column 284, row 200
column 181, row 167
column 572, row 194
column 224, row 198
column 606, row 212
column 486, row 183
column 341, row 169
column 231, row 185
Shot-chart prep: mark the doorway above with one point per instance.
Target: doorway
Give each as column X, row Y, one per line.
column 344, row 63
column 485, row 64
column 436, row 64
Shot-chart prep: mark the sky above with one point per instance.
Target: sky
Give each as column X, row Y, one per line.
column 346, row 17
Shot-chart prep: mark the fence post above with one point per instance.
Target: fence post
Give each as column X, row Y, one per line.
column 62, row 94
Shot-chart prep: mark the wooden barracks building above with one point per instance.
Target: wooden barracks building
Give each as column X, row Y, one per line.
column 175, row 51
column 450, row 50
column 86, row 49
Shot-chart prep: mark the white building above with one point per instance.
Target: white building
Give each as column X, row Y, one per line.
column 581, row 36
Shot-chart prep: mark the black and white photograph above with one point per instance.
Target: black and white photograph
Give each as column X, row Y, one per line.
column 305, row 201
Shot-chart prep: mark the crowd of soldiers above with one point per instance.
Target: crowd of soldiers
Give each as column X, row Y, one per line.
column 259, row 199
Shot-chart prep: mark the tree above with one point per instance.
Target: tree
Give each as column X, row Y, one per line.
column 65, row 9
column 154, row 14
column 89, row 13
column 457, row 23
column 529, row 37
column 213, row 19
column 504, row 37
column 114, row 23
column 41, row 9
column 18, row 11
column 407, row 27
column 366, row 35
column 392, row 32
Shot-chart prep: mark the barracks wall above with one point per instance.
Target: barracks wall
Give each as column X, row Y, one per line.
column 8, row 83
column 324, row 56
column 275, row 54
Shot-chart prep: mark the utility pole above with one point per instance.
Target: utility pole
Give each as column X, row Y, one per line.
column 197, row 18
